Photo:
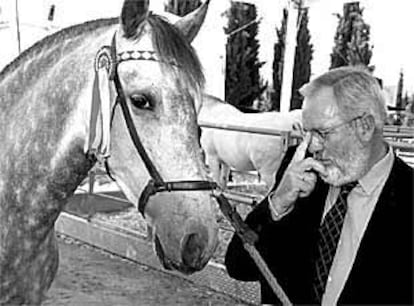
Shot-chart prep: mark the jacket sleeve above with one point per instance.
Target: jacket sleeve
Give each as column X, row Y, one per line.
column 238, row 262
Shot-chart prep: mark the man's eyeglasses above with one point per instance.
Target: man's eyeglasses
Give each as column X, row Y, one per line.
column 322, row 135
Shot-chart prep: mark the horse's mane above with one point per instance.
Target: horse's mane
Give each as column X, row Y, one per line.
column 168, row 42
column 56, row 38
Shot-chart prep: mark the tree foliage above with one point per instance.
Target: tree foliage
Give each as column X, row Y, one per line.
column 400, row 101
column 352, row 45
column 181, row 7
column 243, row 83
column 303, row 57
column 410, row 106
column 279, row 51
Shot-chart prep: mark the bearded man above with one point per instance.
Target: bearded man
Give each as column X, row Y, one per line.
column 337, row 228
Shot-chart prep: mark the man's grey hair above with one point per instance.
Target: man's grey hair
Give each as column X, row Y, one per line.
column 356, row 92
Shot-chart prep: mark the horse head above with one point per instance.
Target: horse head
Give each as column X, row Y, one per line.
column 159, row 80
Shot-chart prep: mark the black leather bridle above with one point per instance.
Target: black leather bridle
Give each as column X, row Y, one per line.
column 156, row 183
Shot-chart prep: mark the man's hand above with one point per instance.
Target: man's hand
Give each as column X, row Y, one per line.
column 298, row 180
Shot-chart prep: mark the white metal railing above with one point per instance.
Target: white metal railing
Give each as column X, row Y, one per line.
column 394, row 135
column 288, row 138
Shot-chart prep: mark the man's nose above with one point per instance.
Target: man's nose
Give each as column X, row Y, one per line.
column 316, row 145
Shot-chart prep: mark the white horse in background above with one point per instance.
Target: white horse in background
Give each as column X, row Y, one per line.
column 243, row 151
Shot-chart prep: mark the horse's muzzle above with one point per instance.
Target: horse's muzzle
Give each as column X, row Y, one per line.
column 192, row 254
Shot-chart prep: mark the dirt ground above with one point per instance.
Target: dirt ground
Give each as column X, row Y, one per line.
column 88, row 276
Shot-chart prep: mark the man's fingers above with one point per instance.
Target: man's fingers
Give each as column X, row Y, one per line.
column 312, row 164
column 304, row 188
column 309, row 177
column 301, row 149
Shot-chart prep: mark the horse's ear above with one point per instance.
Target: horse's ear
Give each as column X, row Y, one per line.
column 132, row 15
column 191, row 23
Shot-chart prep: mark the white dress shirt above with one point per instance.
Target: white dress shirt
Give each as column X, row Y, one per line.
column 361, row 204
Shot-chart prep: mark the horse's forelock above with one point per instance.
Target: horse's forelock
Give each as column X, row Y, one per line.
column 172, row 47
column 177, row 56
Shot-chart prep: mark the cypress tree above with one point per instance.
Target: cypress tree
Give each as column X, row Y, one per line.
column 279, row 51
column 351, row 39
column 400, row 88
column 181, row 7
column 243, row 84
column 303, row 57
column 410, row 106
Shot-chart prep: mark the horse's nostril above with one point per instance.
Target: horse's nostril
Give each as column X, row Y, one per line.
column 192, row 251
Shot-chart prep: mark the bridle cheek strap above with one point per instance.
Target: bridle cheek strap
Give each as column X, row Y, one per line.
column 156, row 183
column 106, row 64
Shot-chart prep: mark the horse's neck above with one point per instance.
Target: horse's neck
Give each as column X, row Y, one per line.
column 43, row 126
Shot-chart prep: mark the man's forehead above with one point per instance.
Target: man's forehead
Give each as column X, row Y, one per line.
column 320, row 106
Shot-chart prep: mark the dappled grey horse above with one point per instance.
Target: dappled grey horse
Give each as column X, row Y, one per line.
column 122, row 90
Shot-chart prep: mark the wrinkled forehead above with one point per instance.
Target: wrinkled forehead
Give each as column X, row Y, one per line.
column 320, row 108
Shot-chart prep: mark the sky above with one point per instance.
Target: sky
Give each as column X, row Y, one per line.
column 391, row 24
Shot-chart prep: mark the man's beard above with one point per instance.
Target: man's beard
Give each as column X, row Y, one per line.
column 342, row 171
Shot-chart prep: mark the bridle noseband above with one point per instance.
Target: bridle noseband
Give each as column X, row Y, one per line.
column 156, row 183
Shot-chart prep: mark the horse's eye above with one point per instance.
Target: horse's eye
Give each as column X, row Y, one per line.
column 140, row 101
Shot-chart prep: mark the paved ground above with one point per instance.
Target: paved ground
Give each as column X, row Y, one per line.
column 90, row 277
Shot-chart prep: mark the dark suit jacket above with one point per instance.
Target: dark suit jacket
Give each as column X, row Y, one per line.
column 383, row 269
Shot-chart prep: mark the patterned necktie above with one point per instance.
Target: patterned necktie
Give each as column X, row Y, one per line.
column 329, row 233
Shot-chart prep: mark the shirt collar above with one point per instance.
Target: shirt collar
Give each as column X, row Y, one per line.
column 377, row 173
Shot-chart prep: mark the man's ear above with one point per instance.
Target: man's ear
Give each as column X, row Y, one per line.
column 366, row 128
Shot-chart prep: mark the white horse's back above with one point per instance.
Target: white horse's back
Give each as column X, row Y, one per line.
column 243, row 151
